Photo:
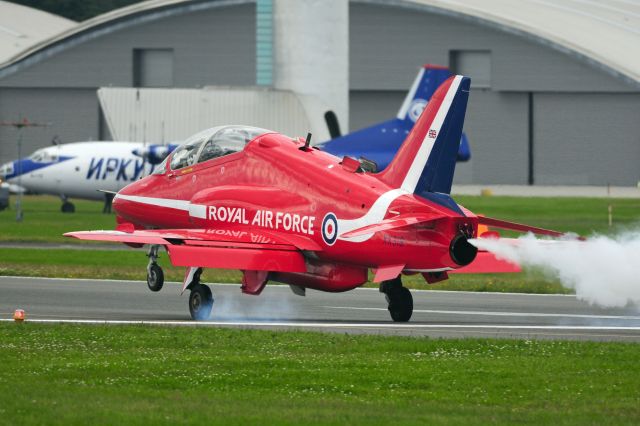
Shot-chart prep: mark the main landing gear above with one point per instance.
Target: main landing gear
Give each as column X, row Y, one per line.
column 200, row 298
column 67, row 206
column 155, row 276
column 399, row 299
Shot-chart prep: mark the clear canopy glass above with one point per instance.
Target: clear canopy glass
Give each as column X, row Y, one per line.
column 213, row 143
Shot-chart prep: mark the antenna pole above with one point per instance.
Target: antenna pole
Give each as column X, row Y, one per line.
column 19, row 214
column 19, row 126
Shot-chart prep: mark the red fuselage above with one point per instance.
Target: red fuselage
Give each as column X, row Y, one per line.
column 275, row 184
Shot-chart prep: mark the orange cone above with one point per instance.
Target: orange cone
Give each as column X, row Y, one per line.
column 482, row 229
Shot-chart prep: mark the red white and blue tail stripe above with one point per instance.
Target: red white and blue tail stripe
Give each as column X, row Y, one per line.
column 426, row 160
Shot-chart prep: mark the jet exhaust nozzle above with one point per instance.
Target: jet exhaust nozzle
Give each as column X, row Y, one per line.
column 462, row 251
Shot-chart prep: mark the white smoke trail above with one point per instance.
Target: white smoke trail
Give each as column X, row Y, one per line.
column 269, row 306
column 603, row 271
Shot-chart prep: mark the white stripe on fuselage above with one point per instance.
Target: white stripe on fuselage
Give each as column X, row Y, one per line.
column 420, row 160
column 375, row 214
column 380, row 207
column 195, row 210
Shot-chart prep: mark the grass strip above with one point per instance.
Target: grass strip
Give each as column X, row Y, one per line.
column 69, row 374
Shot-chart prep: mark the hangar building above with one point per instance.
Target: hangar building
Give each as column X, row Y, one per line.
column 555, row 94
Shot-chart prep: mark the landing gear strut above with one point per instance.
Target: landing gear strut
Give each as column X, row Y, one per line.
column 399, row 299
column 108, row 200
column 200, row 298
column 155, row 276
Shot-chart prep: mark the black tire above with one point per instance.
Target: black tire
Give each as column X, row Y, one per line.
column 155, row 277
column 68, row 207
column 400, row 304
column 200, row 302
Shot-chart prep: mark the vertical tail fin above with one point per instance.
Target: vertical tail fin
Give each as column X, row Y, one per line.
column 427, row 158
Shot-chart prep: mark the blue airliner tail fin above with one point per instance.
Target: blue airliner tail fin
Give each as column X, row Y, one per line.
column 381, row 141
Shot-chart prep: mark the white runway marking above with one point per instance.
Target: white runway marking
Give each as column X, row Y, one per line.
column 326, row 325
column 498, row 314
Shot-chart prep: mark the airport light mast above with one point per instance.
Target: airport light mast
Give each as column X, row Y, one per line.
column 20, row 125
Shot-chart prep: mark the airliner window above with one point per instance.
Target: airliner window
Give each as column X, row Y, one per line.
column 43, row 157
column 186, row 154
column 36, row 157
column 229, row 140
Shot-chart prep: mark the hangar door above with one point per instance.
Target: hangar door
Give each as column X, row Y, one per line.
column 586, row 139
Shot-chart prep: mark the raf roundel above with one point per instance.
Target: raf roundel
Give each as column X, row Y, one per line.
column 416, row 108
column 330, row 229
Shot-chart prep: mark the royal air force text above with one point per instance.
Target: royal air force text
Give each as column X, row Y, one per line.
column 291, row 222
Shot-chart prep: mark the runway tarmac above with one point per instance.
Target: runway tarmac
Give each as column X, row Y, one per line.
column 436, row 313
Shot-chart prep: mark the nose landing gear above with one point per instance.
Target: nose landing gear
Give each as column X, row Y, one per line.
column 399, row 299
column 155, row 276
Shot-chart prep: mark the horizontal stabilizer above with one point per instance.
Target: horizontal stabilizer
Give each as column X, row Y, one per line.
column 391, row 223
column 512, row 226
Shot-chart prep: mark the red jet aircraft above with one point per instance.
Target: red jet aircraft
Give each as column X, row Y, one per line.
column 240, row 197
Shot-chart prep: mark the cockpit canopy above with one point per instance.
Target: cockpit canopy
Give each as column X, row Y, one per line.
column 212, row 143
column 43, row 156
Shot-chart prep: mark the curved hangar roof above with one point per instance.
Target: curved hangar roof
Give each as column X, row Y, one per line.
column 603, row 33
column 22, row 27
column 106, row 23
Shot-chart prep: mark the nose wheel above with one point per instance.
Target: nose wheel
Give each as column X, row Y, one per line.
column 155, row 275
column 399, row 299
column 200, row 302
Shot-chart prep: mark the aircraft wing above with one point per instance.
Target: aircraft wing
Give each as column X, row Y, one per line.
column 218, row 248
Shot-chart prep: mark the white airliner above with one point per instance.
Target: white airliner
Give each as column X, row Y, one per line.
column 86, row 170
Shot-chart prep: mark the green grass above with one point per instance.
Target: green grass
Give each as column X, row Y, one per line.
column 43, row 222
column 68, row 374
column 584, row 216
